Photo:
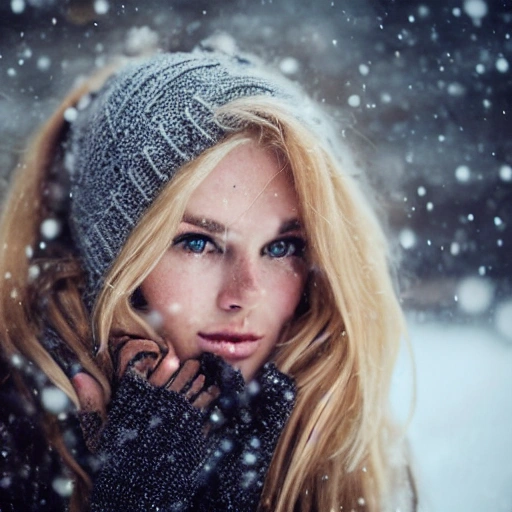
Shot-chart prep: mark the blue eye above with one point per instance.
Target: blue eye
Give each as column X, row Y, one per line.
column 292, row 246
column 195, row 243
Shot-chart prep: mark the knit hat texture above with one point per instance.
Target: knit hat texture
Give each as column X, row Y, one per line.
column 143, row 125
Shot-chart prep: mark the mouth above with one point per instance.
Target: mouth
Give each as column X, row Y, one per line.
column 230, row 346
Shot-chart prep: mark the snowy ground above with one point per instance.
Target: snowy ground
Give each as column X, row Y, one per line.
column 461, row 432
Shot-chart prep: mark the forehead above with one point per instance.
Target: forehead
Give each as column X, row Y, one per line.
column 249, row 180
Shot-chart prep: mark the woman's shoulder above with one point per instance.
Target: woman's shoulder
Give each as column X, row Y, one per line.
column 30, row 470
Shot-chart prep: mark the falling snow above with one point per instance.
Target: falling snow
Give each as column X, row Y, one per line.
column 476, row 9
column 50, row 228
column 502, row 65
column 54, row 400
column 407, row 238
column 364, row 69
column 63, row 486
column 70, row 114
column 506, row 173
column 101, row 7
column 140, row 40
column 354, row 100
column 17, row 6
column 289, row 66
column 422, row 91
column 43, row 63
column 463, row 173
column 475, row 295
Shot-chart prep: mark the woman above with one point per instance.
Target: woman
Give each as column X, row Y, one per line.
column 208, row 215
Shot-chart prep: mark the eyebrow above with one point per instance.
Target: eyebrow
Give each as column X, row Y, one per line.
column 216, row 227
column 290, row 225
column 201, row 222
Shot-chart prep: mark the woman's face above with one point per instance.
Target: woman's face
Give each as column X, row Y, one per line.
column 235, row 272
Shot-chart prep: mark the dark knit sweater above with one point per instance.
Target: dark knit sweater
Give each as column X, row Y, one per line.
column 32, row 475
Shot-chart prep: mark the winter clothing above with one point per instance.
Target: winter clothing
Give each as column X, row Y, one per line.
column 32, row 475
column 157, row 456
column 233, row 477
column 129, row 141
column 27, row 464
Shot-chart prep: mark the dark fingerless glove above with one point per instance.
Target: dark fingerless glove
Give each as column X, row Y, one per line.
column 150, row 450
column 241, row 447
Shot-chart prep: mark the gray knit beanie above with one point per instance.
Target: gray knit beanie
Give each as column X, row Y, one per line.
column 143, row 125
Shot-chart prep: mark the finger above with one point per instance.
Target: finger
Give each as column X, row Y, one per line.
column 90, row 393
column 196, row 387
column 144, row 362
column 92, row 414
column 164, row 371
column 185, row 375
column 129, row 351
column 205, row 398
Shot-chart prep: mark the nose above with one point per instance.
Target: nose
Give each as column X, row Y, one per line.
column 241, row 288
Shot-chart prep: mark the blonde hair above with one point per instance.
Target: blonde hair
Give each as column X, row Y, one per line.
column 340, row 351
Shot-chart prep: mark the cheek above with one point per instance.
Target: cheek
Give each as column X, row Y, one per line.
column 173, row 292
column 284, row 291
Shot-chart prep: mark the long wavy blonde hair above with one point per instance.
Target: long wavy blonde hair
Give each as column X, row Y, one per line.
column 334, row 451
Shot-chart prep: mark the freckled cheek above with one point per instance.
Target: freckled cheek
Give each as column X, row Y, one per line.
column 183, row 296
column 283, row 290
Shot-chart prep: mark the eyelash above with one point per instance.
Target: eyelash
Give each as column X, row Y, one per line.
column 293, row 245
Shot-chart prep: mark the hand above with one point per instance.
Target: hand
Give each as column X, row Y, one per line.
column 138, row 355
column 189, row 382
column 241, row 448
column 92, row 412
column 154, row 441
column 142, row 356
column 148, row 359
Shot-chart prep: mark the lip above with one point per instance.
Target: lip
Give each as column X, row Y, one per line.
column 231, row 346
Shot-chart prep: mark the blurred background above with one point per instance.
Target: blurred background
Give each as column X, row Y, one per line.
column 422, row 92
